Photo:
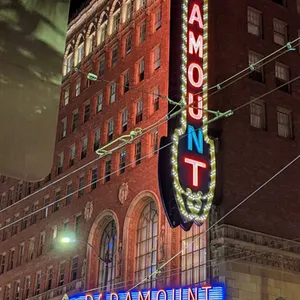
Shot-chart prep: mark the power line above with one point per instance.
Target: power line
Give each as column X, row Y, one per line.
column 218, row 221
column 116, row 171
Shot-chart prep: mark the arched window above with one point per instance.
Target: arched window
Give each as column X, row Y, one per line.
column 80, row 50
column 69, row 61
column 102, row 31
column 146, row 252
column 116, row 17
column 129, row 9
column 108, row 249
column 193, row 259
column 91, row 40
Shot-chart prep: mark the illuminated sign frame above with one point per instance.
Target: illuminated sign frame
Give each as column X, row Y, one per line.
column 193, row 159
column 205, row 292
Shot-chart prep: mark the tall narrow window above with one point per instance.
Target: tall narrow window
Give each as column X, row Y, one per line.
column 27, row 285
column 38, row 279
column 114, row 55
column 94, row 178
column 128, row 42
column 258, row 71
column 282, row 74
column 56, row 201
column 87, row 111
column 116, row 17
column 280, row 32
column 139, row 111
column 156, row 57
column 11, row 259
column 91, row 40
column 285, row 123
column 34, row 215
column 16, row 294
column 2, row 263
column 124, row 120
column 122, row 161
column 146, row 257
column 103, row 29
column 102, row 65
column 143, row 31
column 72, row 155
column 21, row 254
column 69, row 193
column 129, row 9
column 156, row 98
column 42, row 243
column 126, row 82
column 96, row 139
column 3, row 201
column 193, row 258
column 110, row 130
column 254, row 22
column 81, row 186
column 112, row 92
column 154, row 142
column 53, row 237
column 258, row 115
column 20, row 191
column 49, row 278
column 31, row 248
column 7, row 292
column 75, row 120
column 141, row 70
column 61, row 275
column 138, row 152
column 99, row 101
column 66, row 95
column 46, row 206
column 78, row 87
column 77, row 225
column 107, row 170
column 80, row 51
column 74, row 268
column 108, row 249
column 25, row 219
column 70, row 62
column 84, row 144
column 63, row 128
column 157, row 19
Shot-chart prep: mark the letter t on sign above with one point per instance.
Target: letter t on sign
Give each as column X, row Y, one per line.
column 196, row 164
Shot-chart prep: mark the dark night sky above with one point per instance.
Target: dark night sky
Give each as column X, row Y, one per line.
column 76, row 6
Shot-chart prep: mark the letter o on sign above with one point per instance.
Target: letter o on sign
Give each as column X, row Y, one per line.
column 199, row 82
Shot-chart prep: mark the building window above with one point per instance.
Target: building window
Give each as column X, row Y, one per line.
column 84, row 144
column 69, row 192
column 139, row 111
column 96, row 139
column 7, row 292
column 16, row 294
column 112, row 92
column 138, row 152
column 124, row 120
column 110, row 130
column 27, row 285
column 94, row 179
column 61, row 276
column 60, row 163
column 28, row 188
column 77, row 87
column 128, row 43
column 156, row 57
column 126, row 82
column 24, row 222
column 116, row 18
column 81, row 186
column 87, row 110
column 74, row 268
column 20, row 191
column 254, row 22
column 49, row 278
column 31, row 248
column 6, row 229
column 46, row 206
column 80, row 52
column 156, row 96
column 75, row 120
column 102, row 66
column 280, row 32
column 56, row 201
column 38, row 283
column 53, row 237
column 282, row 74
column 42, row 243
column 66, row 95
column 99, row 101
column 147, row 232
column 2, row 263
column 103, row 30
column 154, row 142
column 258, row 70
column 66, row 226
column 157, row 18
column 108, row 249
column 193, row 258
column 143, row 31
column 129, row 9
column 258, row 114
column 63, row 126
column 72, row 155
column 70, row 62
column 77, row 225
column 114, row 55
column 15, row 225
column 91, row 40
column 3, row 201
column 11, row 259
column 21, row 254
column 141, row 70
column 107, row 170
column 285, row 123
column 122, row 161
column 34, row 215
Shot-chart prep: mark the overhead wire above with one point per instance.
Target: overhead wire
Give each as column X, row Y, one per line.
column 163, row 97
column 117, row 170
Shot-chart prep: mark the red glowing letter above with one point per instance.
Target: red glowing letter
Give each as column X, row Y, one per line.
column 206, row 288
column 198, row 106
column 199, row 82
column 194, row 46
column 196, row 16
column 196, row 164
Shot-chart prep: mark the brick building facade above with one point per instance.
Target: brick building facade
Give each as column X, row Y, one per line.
column 115, row 202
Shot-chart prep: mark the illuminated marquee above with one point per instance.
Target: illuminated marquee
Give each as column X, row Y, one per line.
column 186, row 293
column 193, row 161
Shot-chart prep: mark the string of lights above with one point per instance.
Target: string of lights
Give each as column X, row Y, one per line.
column 129, row 164
column 261, row 62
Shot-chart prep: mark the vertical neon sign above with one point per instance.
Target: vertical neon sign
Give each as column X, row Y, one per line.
column 193, row 161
